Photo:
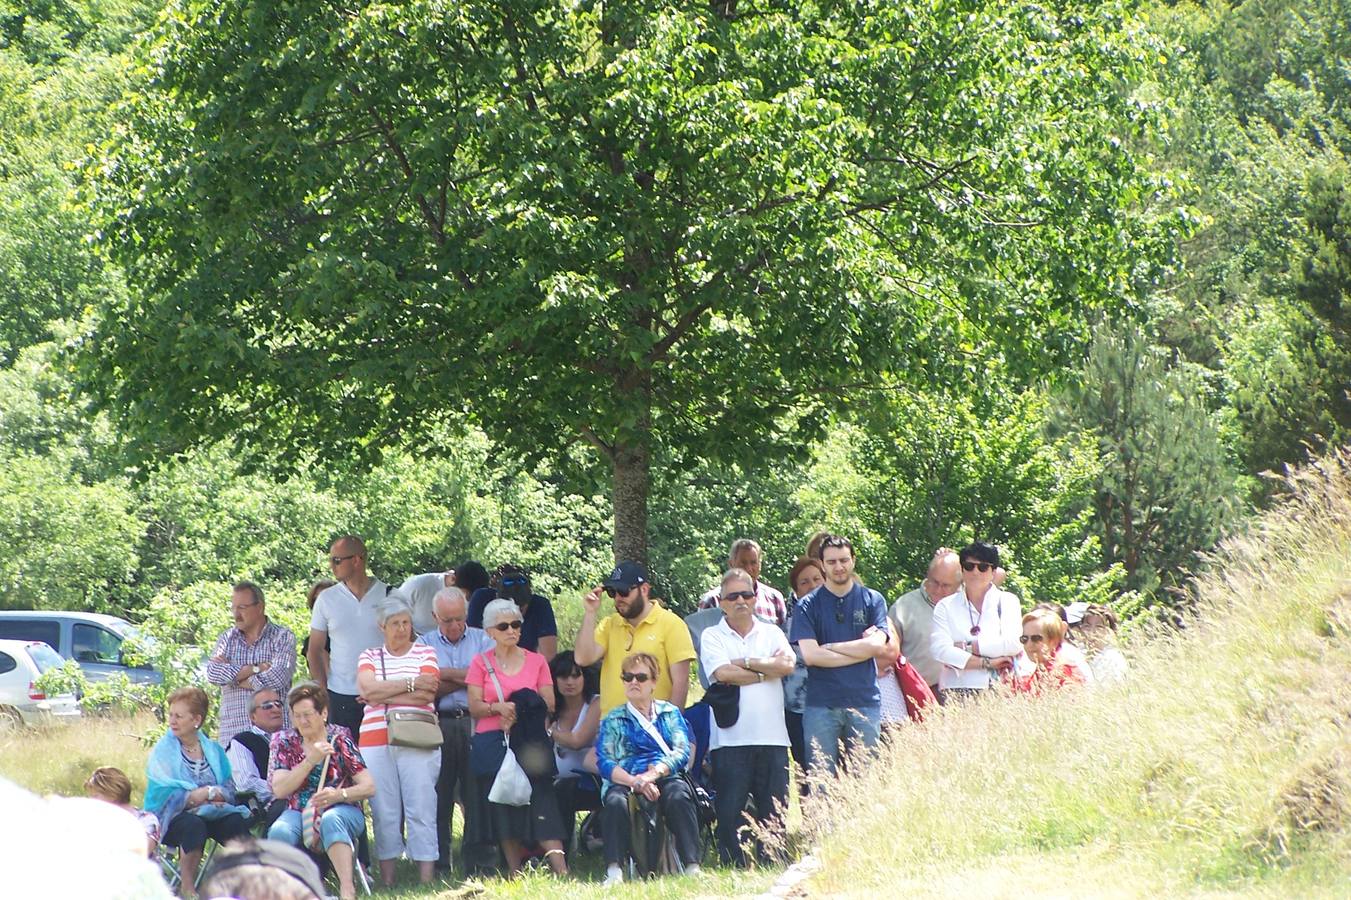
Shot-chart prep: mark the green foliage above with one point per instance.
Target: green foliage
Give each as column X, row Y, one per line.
column 1166, row 485
column 574, row 223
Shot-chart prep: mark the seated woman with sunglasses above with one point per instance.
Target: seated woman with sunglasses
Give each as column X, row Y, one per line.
column 642, row 747
column 976, row 631
column 1043, row 638
column 493, row 678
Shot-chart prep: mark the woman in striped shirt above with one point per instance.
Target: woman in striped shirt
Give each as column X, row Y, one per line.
column 400, row 674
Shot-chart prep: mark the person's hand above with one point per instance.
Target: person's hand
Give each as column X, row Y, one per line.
column 426, row 682
column 591, row 602
column 326, row 797
column 883, row 667
column 317, row 751
column 867, row 632
column 264, row 666
column 245, row 673
column 1002, row 663
column 649, row 788
column 197, row 796
column 507, row 710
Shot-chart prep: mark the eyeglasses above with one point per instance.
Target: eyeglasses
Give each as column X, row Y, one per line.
column 339, row 560
column 270, row 704
column 517, row 581
column 740, row 595
column 234, row 608
column 969, row 565
column 618, row 592
column 640, row 677
column 509, row 626
column 1032, row 638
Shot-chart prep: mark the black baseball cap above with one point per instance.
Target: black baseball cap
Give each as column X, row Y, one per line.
column 626, row 576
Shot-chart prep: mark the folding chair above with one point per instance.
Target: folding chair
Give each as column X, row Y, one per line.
column 167, row 857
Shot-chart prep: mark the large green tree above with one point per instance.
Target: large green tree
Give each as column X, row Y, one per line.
column 643, row 225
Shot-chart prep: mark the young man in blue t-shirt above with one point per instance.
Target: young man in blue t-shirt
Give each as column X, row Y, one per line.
column 842, row 629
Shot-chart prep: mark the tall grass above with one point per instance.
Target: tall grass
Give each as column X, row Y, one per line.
column 57, row 760
column 1222, row 764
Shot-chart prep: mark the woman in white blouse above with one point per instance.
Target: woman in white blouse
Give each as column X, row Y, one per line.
column 976, row 630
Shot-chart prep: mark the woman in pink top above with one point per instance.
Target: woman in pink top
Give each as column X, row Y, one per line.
column 399, row 674
column 515, row 827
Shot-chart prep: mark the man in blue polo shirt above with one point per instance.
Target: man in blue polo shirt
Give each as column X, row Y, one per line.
column 841, row 628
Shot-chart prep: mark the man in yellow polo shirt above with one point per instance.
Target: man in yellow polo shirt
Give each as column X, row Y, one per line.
column 638, row 624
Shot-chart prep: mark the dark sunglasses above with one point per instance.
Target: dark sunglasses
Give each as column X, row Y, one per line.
column 270, row 704
column 740, row 595
column 1033, row 638
column 640, row 677
column 339, row 560
column 517, row 581
column 618, row 592
column 984, row 567
column 509, row 626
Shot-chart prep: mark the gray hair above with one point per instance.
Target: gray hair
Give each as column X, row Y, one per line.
column 394, row 604
column 498, row 609
column 736, row 574
column 447, row 594
column 254, row 701
column 251, row 588
column 739, row 546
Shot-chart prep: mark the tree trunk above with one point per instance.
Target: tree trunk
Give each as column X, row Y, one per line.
column 632, row 481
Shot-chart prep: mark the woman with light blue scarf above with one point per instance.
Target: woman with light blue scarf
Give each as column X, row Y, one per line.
column 190, row 787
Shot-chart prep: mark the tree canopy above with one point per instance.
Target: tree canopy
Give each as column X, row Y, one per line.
column 637, row 226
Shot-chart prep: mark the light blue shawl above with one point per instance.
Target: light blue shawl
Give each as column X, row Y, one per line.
column 170, row 780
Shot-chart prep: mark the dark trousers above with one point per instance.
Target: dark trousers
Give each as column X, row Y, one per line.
column 189, row 831
column 796, row 741
column 454, row 771
column 757, row 773
column 575, row 793
column 344, row 710
column 676, row 806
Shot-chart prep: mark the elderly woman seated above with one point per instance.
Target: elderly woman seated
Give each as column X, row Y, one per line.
column 300, row 756
column 641, row 749
column 190, row 788
column 1043, row 638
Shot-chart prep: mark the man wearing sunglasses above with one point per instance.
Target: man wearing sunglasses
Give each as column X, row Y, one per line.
column 345, row 612
column 250, row 750
column 841, row 628
column 976, row 630
column 638, row 625
column 539, row 629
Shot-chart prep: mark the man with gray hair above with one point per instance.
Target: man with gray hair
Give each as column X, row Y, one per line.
column 769, row 603
column 256, row 653
column 913, row 614
column 250, row 751
column 456, row 644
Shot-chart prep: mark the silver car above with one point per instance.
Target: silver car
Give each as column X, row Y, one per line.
column 21, row 702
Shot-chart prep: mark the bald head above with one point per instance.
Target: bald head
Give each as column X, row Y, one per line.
column 945, row 574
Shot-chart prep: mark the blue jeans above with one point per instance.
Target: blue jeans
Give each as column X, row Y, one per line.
column 825, row 728
column 340, row 824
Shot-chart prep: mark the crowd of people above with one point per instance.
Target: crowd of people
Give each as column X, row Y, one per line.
column 449, row 691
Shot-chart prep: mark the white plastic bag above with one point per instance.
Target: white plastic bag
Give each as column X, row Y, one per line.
column 511, row 787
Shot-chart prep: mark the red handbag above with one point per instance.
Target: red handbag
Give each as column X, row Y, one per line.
column 918, row 694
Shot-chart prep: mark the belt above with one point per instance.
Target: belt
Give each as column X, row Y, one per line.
column 453, row 713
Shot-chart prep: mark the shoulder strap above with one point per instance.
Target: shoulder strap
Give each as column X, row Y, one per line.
column 650, row 726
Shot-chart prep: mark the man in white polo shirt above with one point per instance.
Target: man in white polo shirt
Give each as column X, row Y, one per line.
column 346, row 613
column 750, row 754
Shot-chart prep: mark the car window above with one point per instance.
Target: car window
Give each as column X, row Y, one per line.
column 93, row 644
column 7, row 663
column 45, row 657
column 44, row 630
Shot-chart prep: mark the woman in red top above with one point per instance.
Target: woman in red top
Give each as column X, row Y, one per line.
column 515, row 827
column 1043, row 635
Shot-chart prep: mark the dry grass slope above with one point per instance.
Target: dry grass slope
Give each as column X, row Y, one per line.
column 1220, row 767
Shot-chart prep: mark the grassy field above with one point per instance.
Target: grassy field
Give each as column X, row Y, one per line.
column 1222, row 767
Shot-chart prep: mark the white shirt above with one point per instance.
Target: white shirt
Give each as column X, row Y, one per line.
column 352, row 627
column 760, row 721
column 1000, row 621
column 421, row 591
column 573, row 762
column 244, row 769
column 1108, row 665
column 1069, row 653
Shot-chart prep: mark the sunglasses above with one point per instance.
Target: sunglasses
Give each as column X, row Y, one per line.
column 339, row 560
column 740, row 595
column 517, row 581
column 509, row 626
column 618, row 592
column 984, row 567
column 1033, row 638
column 270, row 704
column 640, row 677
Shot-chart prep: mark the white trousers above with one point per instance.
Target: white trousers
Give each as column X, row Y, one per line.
column 405, row 792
